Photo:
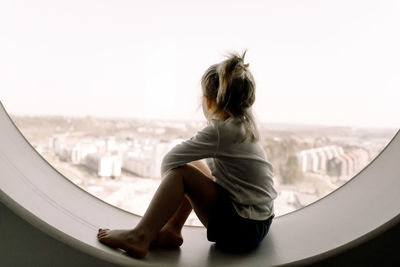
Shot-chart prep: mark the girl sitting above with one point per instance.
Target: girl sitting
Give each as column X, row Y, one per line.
column 232, row 195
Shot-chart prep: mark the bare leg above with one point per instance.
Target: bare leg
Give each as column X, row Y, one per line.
column 171, row 233
column 170, row 236
column 202, row 167
column 168, row 198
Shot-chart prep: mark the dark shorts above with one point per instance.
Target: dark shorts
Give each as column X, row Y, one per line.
column 231, row 231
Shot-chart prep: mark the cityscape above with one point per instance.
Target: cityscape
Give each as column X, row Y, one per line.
column 119, row 160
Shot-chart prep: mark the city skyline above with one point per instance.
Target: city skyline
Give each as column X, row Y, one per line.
column 332, row 63
column 123, row 168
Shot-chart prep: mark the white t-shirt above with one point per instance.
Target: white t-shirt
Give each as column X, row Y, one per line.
column 239, row 167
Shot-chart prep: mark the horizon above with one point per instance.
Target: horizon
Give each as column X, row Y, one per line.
column 275, row 124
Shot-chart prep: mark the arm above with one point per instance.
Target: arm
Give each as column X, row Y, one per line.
column 203, row 145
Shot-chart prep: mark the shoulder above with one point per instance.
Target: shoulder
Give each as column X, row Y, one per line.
column 231, row 129
column 208, row 132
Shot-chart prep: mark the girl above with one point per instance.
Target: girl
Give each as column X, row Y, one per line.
column 233, row 195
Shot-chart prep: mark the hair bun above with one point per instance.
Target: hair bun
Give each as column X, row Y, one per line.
column 228, row 70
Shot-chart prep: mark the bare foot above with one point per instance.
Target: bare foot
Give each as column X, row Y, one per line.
column 134, row 245
column 167, row 239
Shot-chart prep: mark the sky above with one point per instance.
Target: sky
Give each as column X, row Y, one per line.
column 333, row 63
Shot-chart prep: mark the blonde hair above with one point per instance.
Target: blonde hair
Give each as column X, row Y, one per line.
column 231, row 86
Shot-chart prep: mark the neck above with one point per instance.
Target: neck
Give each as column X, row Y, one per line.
column 220, row 116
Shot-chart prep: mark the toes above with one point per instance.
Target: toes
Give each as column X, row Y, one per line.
column 103, row 230
column 102, row 233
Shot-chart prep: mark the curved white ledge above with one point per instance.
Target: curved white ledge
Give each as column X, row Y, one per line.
column 67, row 218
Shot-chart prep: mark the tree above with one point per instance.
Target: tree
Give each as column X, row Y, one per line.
column 291, row 171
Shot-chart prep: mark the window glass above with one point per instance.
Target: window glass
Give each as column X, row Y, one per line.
column 104, row 89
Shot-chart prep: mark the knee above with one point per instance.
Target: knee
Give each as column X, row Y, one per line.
column 184, row 169
column 183, row 173
column 178, row 171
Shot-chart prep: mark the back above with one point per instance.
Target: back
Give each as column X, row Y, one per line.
column 239, row 167
column 242, row 169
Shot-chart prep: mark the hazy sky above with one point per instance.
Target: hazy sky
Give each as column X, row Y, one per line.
column 320, row 62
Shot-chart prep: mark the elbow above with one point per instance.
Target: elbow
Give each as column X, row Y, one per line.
column 165, row 165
